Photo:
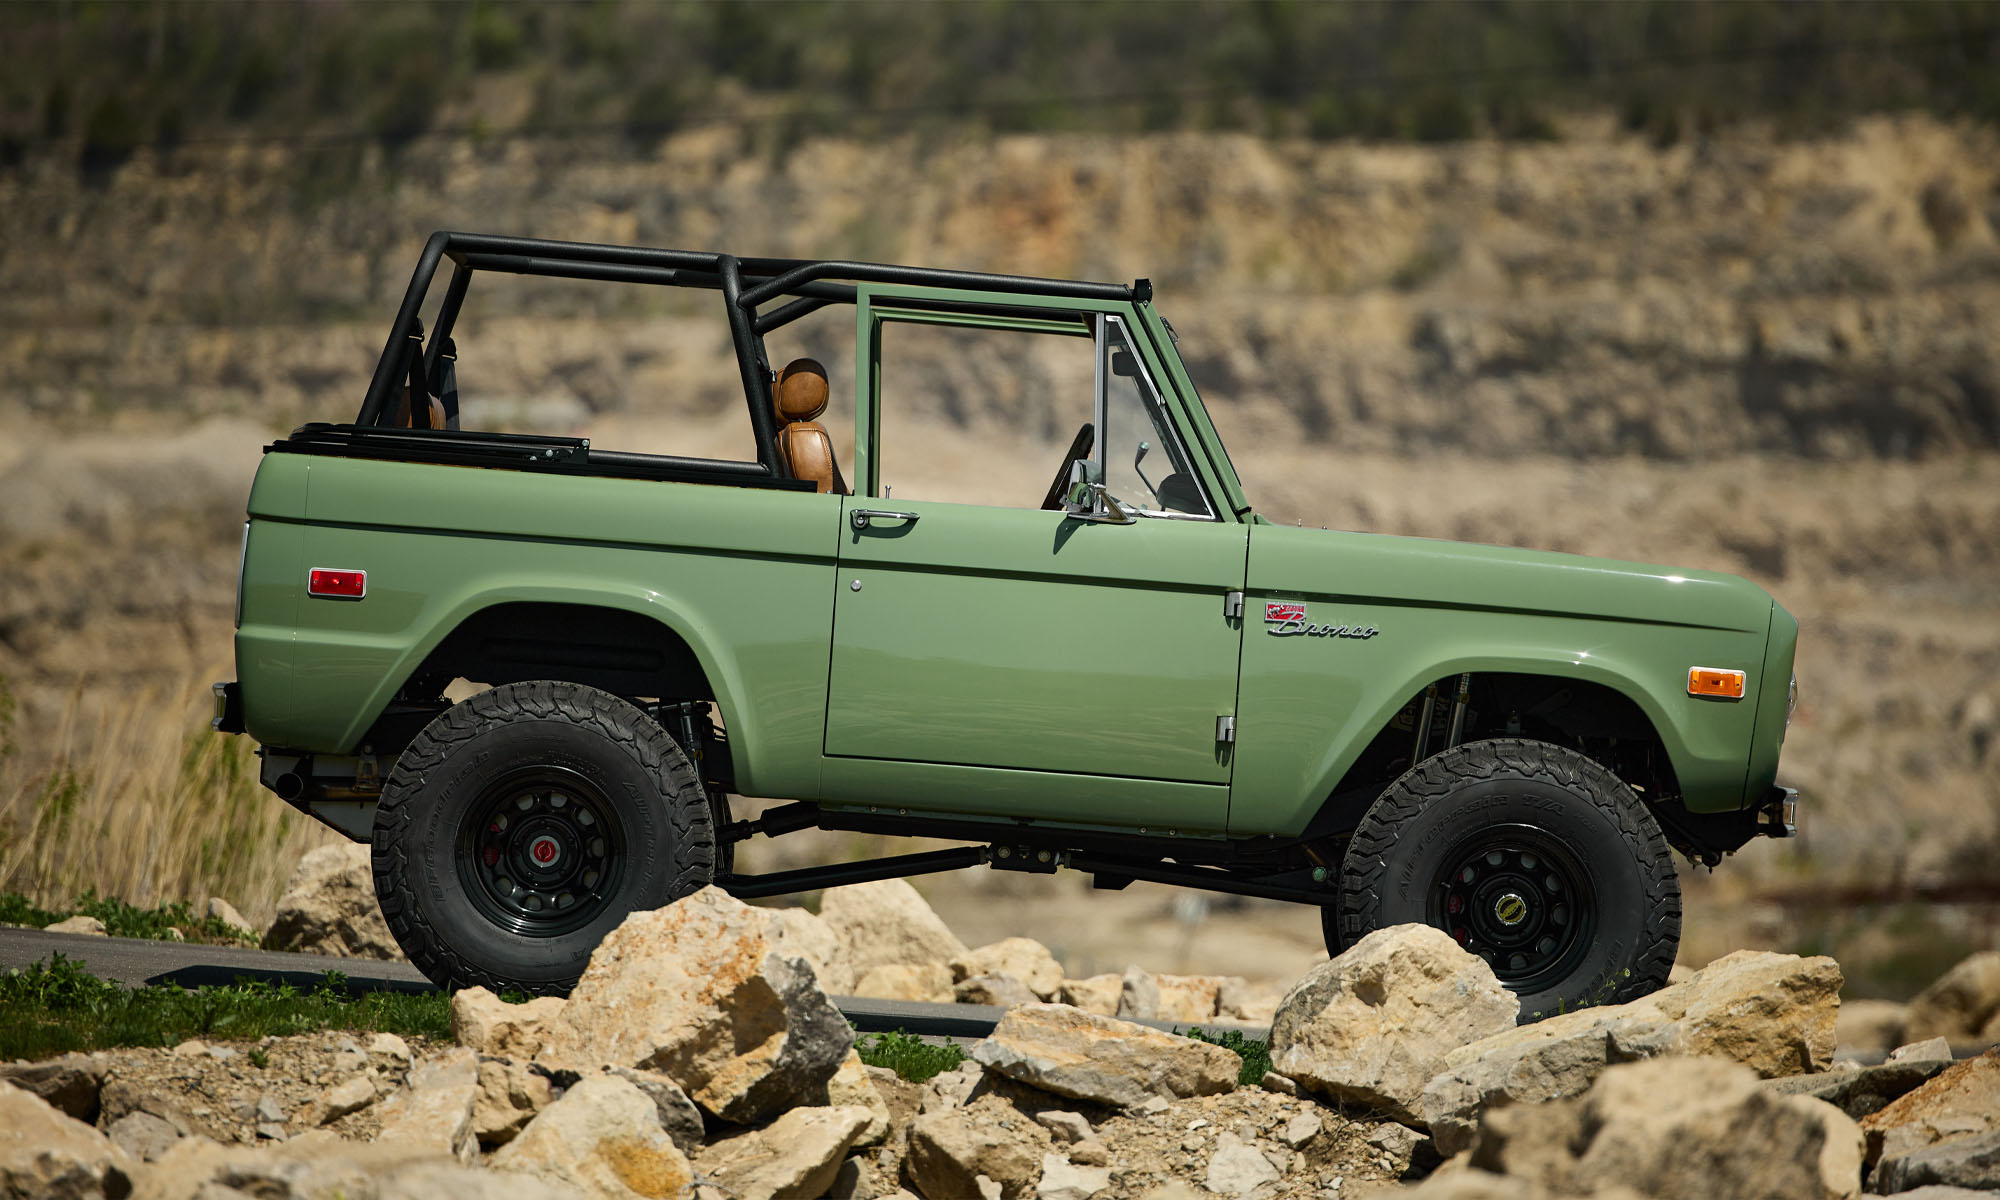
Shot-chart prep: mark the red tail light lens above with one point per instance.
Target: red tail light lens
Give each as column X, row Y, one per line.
column 343, row 585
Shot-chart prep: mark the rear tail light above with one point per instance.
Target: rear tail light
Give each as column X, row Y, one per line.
column 1715, row 681
column 336, row 583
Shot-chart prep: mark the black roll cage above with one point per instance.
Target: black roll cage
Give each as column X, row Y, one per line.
column 745, row 284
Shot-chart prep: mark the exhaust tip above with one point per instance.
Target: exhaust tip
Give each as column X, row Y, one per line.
column 289, row 786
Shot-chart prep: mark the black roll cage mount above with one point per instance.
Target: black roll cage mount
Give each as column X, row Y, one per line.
column 745, row 284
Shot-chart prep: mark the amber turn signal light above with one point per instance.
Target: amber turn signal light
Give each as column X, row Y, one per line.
column 342, row 585
column 1714, row 681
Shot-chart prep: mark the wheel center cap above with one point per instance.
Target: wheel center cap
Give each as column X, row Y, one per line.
column 545, row 850
column 1510, row 909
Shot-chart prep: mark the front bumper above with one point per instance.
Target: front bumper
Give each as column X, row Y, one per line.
column 1778, row 815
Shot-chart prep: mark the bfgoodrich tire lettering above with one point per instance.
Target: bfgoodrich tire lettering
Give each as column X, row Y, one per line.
column 523, row 825
column 1532, row 855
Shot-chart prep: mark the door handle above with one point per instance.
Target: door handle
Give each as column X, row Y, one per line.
column 861, row 517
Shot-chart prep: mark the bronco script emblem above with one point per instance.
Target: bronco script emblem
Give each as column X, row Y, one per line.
column 1289, row 620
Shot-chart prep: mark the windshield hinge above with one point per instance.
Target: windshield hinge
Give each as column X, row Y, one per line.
column 1232, row 605
column 1225, row 730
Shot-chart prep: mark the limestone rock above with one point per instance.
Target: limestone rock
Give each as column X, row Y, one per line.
column 852, row 1087
column 1860, row 1091
column 329, row 907
column 142, row 1135
column 950, row 1150
column 509, row 1096
column 350, row 1095
column 1236, row 1168
column 1187, row 997
column 78, row 924
column 70, row 1083
column 1677, row 1127
column 433, row 1110
column 1097, row 994
column 928, row 983
column 678, row 1114
column 486, row 1024
column 1772, row 1012
column 796, row 932
column 1960, row 1004
column 950, row 1089
column 1068, row 1127
column 1532, row 1064
column 1064, row 1180
column 222, row 910
column 45, row 1153
column 1240, row 1000
column 322, row 1166
column 1089, row 1057
column 1023, row 959
column 793, row 1158
column 997, row 991
column 1138, row 995
column 603, row 1139
column 1961, row 1101
column 1375, row 1024
column 697, row 992
column 388, row 1045
column 1870, row 1025
column 1967, row 1162
column 884, row 924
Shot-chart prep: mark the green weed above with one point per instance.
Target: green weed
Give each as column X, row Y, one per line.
column 1256, row 1055
column 914, row 1059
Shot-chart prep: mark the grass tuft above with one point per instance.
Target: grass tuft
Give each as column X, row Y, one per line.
column 909, row 1056
column 58, row 1006
column 1256, row 1055
column 158, row 923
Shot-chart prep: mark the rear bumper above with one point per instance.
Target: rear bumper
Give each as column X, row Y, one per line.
column 1778, row 815
column 228, row 708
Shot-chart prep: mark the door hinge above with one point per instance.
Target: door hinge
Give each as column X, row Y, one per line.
column 1225, row 730
column 1232, row 605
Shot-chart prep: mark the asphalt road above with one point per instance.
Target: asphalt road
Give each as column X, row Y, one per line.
column 133, row 961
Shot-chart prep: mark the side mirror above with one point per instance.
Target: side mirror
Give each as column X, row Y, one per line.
column 1086, row 499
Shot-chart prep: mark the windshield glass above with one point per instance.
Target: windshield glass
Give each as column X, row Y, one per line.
column 1145, row 467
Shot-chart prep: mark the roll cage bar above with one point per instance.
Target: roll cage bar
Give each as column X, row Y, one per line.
column 746, row 284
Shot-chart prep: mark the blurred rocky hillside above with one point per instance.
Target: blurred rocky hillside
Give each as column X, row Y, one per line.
column 1823, row 299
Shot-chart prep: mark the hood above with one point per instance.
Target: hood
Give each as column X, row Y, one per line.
column 1421, row 572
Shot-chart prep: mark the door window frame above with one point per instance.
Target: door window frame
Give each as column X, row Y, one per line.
column 877, row 305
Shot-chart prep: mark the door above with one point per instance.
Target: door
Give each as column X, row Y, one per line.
column 1016, row 637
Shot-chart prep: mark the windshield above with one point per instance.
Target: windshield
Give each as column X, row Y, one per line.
column 1145, row 467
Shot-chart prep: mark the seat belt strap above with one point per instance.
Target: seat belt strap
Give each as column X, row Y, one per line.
column 444, row 382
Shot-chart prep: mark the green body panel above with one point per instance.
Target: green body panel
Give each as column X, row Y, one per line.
column 1017, row 638
column 1082, row 801
column 1773, row 704
column 272, row 588
column 1310, row 705
column 744, row 576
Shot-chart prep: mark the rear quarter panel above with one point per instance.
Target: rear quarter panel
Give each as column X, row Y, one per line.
column 745, row 576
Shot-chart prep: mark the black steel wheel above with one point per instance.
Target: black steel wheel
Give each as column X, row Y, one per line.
column 523, row 825
column 1532, row 856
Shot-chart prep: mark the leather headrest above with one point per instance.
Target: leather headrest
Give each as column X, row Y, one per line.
column 800, row 392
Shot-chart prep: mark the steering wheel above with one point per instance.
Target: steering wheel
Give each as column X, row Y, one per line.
column 1079, row 448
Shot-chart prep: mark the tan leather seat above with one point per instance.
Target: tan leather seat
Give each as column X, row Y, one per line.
column 799, row 395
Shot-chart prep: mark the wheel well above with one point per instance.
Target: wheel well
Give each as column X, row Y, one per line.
column 1598, row 721
column 624, row 653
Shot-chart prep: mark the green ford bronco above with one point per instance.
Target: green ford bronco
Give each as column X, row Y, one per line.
column 1123, row 670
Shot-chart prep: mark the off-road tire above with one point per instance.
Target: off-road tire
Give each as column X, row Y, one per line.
column 1455, row 812
column 644, row 795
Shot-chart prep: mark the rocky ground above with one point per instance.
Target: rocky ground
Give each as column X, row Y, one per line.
column 702, row 1057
